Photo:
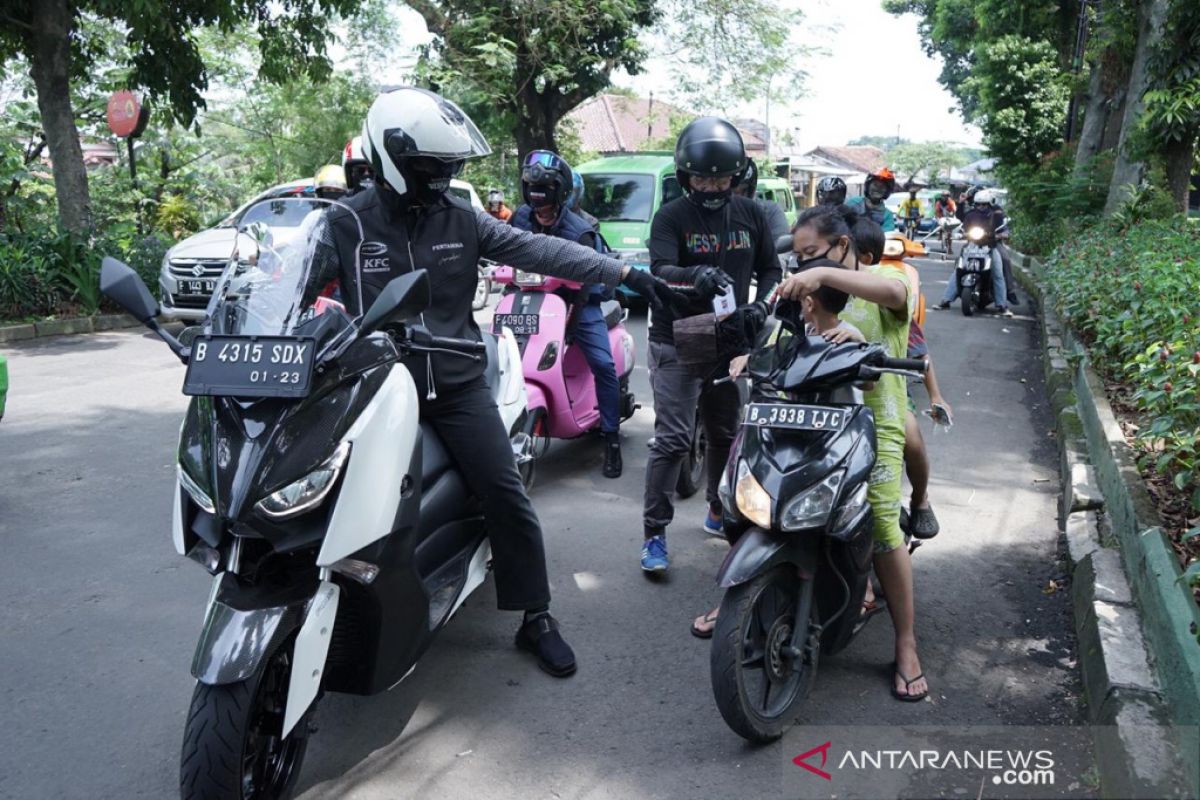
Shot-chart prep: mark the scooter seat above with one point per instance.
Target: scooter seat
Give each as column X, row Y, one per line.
column 491, row 370
column 612, row 312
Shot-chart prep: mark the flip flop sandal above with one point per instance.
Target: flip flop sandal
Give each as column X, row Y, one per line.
column 907, row 696
column 924, row 523
column 710, row 617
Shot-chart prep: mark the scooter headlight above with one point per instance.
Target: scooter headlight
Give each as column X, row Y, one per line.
column 523, row 278
column 194, row 491
column 811, row 508
column 851, row 507
column 308, row 492
column 752, row 499
column 975, row 234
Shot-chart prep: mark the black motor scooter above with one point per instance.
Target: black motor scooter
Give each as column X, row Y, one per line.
column 795, row 500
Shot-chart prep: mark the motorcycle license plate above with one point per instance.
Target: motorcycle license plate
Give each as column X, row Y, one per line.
column 520, row 324
column 795, row 417
column 975, row 251
column 250, row 366
column 197, row 287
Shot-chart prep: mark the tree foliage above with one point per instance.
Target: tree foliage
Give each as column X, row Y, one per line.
column 533, row 62
column 933, row 158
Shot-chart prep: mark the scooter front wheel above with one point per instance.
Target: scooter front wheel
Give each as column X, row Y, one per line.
column 968, row 303
column 232, row 749
column 757, row 680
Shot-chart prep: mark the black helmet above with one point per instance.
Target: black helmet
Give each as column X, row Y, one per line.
column 747, row 181
column 831, row 191
column 709, row 147
column 546, row 179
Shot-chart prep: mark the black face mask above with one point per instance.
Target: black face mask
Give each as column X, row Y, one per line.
column 710, row 201
column 430, row 177
column 805, row 263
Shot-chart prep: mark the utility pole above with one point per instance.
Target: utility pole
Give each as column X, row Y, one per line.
column 650, row 119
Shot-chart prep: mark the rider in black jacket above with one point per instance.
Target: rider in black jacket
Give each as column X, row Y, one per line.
column 416, row 142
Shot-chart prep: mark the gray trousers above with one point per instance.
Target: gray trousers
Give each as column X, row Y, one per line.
column 678, row 392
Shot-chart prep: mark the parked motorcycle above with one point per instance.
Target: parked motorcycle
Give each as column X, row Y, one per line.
column 341, row 537
column 973, row 270
column 795, row 490
column 538, row 310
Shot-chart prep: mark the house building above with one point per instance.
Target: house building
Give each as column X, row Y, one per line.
column 614, row 123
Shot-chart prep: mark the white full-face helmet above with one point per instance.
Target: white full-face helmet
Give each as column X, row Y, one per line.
column 417, row 141
column 984, row 197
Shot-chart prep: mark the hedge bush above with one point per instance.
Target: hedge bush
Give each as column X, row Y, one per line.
column 1133, row 294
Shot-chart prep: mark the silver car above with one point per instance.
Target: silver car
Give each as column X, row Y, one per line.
column 191, row 268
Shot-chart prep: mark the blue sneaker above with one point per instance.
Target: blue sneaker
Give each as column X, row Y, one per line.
column 712, row 526
column 654, row 554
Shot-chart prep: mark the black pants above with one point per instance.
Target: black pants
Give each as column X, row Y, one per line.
column 678, row 392
column 469, row 423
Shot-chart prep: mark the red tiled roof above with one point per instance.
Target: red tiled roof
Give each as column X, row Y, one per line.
column 613, row 123
column 862, row 158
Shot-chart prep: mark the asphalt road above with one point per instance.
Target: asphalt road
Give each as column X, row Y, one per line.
column 99, row 615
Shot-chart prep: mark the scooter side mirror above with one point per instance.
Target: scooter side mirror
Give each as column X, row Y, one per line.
column 783, row 245
column 402, row 299
column 121, row 284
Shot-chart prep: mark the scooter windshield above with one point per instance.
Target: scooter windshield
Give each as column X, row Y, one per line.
column 284, row 275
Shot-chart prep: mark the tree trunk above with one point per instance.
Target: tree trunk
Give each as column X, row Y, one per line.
column 537, row 120
column 1180, row 156
column 1095, row 117
column 1152, row 15
column 50, row 65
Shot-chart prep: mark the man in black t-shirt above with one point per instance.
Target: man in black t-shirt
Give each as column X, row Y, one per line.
column 712, row 242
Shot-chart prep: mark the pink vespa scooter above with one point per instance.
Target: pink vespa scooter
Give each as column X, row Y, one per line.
column 561, row 390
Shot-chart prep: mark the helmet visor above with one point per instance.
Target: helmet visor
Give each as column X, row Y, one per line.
column 545, row 159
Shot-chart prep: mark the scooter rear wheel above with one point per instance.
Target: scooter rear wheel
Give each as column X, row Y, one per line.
column 756, row 684
column 231, row 744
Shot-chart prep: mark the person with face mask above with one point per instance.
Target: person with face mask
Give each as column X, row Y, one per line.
column 879, row 187
column 711, row 241
column 496, row 207
column 831, row 191
column 547, row 186
column 747, row 186
column 416, row 141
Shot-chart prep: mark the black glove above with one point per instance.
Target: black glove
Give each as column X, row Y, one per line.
column 657, row 293
column 738, row 331
column 710, row 281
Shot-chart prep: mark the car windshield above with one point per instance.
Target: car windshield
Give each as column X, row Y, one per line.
column 282, row 275
column 619, row 198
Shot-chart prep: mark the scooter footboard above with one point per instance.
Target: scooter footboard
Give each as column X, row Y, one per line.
column 758, row 551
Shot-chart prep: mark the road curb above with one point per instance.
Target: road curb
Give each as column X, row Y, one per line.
column 66, row 327
column 1134, row 674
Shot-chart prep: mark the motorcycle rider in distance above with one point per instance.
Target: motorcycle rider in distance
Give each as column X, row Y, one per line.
column 831, row 191
column 417, row 142
column 496, row 207
column 747, row 186
column 547, row 186
column 989, row 217
column 944, row 206
column 576, row 201
column 330, row 182
column 911, row 212
column 356, row 167
column 879, row 187
column 715, row 242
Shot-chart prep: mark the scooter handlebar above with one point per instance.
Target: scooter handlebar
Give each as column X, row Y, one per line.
column 462, row 345
column 907, row 364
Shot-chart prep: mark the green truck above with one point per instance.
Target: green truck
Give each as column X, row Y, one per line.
column 778, row 191
column 623, row 192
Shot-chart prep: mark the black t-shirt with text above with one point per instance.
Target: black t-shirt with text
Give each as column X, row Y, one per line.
column 685, row 237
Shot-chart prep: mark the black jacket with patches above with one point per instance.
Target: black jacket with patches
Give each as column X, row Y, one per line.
column 447, row 238
column 685, row 238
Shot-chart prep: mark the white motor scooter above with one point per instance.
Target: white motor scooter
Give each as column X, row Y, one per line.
column 339, row 532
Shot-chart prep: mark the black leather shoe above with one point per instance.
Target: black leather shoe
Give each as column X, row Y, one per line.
column 612, row 456
column 540, row 636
